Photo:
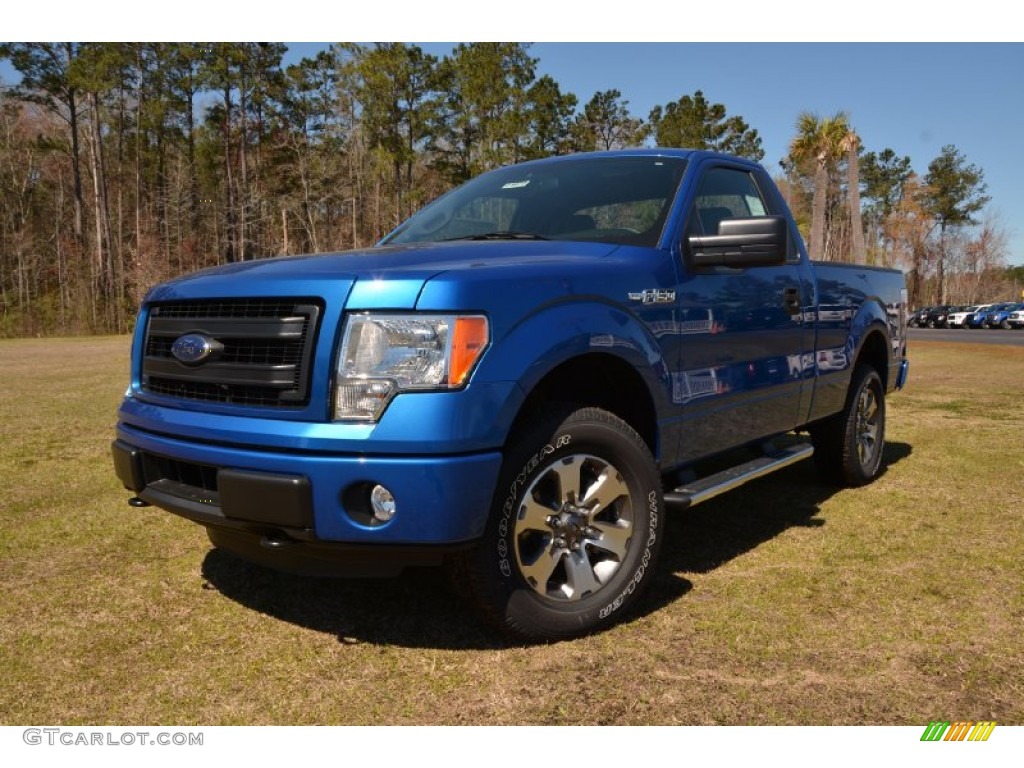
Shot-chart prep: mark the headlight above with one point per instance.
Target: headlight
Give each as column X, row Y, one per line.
column 382, row 355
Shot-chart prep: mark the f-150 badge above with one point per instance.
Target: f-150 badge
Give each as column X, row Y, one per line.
column 654, row 296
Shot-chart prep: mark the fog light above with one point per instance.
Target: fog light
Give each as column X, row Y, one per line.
column 383, row 503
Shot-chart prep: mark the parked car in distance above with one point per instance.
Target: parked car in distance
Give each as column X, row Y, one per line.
column 991, row 312
column 936, row 318
column 958, row 319
column 1016, row 318
column 918, row 319
column 1000, row 317
column 977, row 318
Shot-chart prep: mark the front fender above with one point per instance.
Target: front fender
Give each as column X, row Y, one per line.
column 557, row 333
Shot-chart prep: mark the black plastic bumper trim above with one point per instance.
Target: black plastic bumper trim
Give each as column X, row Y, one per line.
column 128, row 465
column 262, row 497
column 330, row 559
column 241, row 497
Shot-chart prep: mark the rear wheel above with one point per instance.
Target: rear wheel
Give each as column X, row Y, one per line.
column 848, row 446
column 574, row 531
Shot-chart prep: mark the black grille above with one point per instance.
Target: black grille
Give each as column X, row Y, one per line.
column 229, row 308
column 263, row 355
column 200, row 476
column 243, row 351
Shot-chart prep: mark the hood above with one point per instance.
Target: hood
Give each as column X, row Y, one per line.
column 384, row 277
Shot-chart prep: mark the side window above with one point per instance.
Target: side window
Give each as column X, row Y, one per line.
column 724, row 193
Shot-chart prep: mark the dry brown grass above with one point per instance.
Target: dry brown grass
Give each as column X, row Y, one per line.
column 785, row 602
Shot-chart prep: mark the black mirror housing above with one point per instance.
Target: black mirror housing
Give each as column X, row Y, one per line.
column 751, row 242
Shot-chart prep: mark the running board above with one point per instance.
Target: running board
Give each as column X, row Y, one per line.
column 688, row 495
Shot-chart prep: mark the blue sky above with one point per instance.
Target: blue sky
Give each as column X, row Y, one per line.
column 913, row 97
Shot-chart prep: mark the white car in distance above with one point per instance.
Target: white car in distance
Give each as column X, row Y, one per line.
column 958, row 319
column 1016, row 318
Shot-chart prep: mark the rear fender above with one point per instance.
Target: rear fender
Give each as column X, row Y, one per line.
column 835, row 365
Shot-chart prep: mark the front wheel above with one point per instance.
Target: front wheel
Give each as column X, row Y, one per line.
column 848, row 446
column 574, row 529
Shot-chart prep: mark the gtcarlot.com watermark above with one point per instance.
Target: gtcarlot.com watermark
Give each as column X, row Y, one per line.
column 77, row 737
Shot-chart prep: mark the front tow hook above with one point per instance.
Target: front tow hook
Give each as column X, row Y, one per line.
column 273, row 541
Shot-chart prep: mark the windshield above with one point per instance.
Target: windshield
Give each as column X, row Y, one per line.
column 602, row 199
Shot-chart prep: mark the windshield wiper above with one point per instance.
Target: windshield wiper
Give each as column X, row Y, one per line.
column 501, row 235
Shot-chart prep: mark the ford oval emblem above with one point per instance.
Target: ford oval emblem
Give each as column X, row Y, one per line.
column 194, row 348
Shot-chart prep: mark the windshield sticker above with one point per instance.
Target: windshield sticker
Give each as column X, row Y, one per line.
column 515, row 185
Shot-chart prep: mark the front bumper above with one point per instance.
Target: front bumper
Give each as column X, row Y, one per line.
column 315, row 502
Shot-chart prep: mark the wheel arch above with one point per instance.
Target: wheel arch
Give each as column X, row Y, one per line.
column 871, row 337
column 598, row 380
column 875, row 352
column 589, row 353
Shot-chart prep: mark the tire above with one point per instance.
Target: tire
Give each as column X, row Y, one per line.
column 1005, row 325
column 848, row 447
column 574, row 528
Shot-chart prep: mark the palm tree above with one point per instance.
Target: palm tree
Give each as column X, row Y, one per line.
column 820, row 140
column 851, row 145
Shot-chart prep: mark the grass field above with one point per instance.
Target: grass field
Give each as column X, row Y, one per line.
column 786, row 602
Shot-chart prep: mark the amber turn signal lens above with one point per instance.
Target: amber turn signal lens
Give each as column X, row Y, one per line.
column 468, row 342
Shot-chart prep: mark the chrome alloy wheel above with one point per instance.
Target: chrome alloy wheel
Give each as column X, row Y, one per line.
column 868, row 426
column 573, row 527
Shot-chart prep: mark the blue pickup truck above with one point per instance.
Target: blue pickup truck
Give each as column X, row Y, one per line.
column 516, row 382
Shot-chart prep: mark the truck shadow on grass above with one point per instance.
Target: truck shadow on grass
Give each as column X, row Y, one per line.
column 703, row 538
column 420, row 609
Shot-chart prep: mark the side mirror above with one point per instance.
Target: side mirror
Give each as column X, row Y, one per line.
column 753, row 242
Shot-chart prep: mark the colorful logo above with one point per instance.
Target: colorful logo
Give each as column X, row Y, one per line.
column 961, row 730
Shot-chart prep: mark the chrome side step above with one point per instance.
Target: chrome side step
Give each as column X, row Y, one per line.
column 688, row 495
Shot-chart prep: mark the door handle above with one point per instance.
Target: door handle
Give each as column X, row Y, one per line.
column 791, row 300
